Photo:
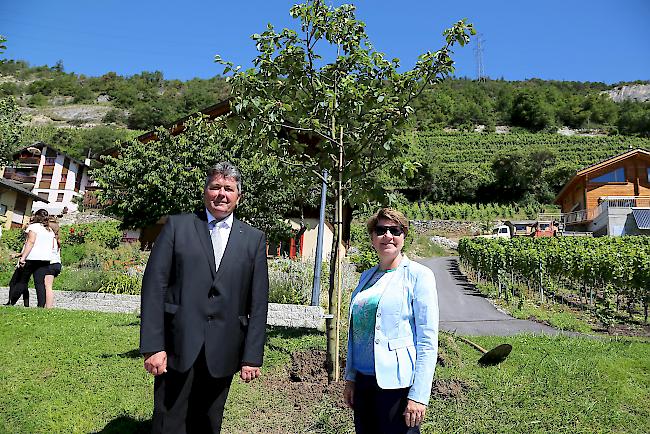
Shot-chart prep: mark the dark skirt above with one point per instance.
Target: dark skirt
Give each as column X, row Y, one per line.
column 377, row 410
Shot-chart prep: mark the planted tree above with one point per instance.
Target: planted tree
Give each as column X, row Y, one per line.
column 326, row 98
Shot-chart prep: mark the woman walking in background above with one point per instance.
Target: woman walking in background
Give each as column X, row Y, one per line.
column 37, row 254
column 55, row 266
column 393, row 335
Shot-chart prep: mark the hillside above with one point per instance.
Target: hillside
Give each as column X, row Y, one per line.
column 145, row 100
column 86, row 115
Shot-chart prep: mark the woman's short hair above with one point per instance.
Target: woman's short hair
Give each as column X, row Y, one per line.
column 388, row 214
column 226, row 170
column 42, row 216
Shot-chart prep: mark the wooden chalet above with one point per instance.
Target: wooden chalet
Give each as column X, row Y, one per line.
column 611, row 197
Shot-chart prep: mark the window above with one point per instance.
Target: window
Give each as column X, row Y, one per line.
column 59, row 197
column 43, row 195
column 648, row 170
column 617, row 175
column 50, row 161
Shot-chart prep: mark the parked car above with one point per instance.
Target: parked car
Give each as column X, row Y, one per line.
column 501, row 231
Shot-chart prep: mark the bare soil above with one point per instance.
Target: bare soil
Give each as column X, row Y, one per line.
column 449, row 389
column 636, row 330
column 305, row 392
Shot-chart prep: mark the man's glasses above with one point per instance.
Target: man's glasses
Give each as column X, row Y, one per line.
column 395, row 231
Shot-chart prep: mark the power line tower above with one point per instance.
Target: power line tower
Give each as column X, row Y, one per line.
column 478, row 52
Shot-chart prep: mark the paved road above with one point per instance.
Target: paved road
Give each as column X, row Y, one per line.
column 466, row 311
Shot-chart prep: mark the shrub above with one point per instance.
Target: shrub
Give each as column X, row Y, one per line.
column 72, row 254
column 80, row 279
column 74, row 236
column 290, row 281
column 7, row 265
column 94, row 255
column 105, row 234
column 115, row 116
column 364, row 260
column 13, row 239
column 119, row 283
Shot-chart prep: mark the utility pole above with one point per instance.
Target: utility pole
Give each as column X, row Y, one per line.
column 478, row 53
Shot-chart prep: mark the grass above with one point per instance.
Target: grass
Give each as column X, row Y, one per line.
column 421, row 246
column 559, row 316
column 79, row 372
column 550, row 384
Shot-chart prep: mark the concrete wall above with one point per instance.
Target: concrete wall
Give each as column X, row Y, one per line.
column 8, row 198
column 616, row 222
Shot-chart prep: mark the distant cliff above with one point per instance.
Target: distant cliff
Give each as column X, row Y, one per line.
column 634, row 92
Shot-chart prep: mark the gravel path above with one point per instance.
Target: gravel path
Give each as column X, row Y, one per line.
column 464, row 310
column 77, row 300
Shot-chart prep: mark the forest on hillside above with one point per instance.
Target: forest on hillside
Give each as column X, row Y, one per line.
column 146, row 100
column 454, row 162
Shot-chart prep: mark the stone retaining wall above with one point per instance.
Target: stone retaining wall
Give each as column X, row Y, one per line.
column 286, row 315
column 446, row 226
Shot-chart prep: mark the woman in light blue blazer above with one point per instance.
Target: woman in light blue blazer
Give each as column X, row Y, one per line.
column 393, row 335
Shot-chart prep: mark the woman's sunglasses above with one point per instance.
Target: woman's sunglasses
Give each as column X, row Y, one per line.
column 395, row 231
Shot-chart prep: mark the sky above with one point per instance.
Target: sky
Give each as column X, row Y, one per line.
column 575, row 40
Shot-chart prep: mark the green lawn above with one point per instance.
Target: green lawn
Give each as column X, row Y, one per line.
column 79, row 372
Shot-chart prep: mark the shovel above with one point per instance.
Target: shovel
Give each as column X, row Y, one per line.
column 490, row 358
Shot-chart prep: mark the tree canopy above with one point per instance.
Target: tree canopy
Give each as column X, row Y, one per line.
column 330, row 92
column 166, row 176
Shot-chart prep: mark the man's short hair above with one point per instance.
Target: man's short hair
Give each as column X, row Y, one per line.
column 226, row 170
column 388, row 214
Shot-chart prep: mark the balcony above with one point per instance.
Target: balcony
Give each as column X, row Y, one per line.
column 19, row 177
column 607, row 202
column 29, row 161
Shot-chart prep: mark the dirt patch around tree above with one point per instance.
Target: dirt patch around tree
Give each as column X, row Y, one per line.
column 310, row 398
column 303, row 384
column 307, row 375
column 449, row 389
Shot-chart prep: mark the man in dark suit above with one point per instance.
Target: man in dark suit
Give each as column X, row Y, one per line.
column 204, row 307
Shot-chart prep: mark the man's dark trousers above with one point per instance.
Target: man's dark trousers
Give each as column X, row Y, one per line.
column 189, row 402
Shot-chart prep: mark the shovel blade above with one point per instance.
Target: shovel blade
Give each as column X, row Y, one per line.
column 495, row 355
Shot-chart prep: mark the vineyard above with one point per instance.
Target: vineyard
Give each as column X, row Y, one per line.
column 458, row 150
column 609, row 275
column 488, row 212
